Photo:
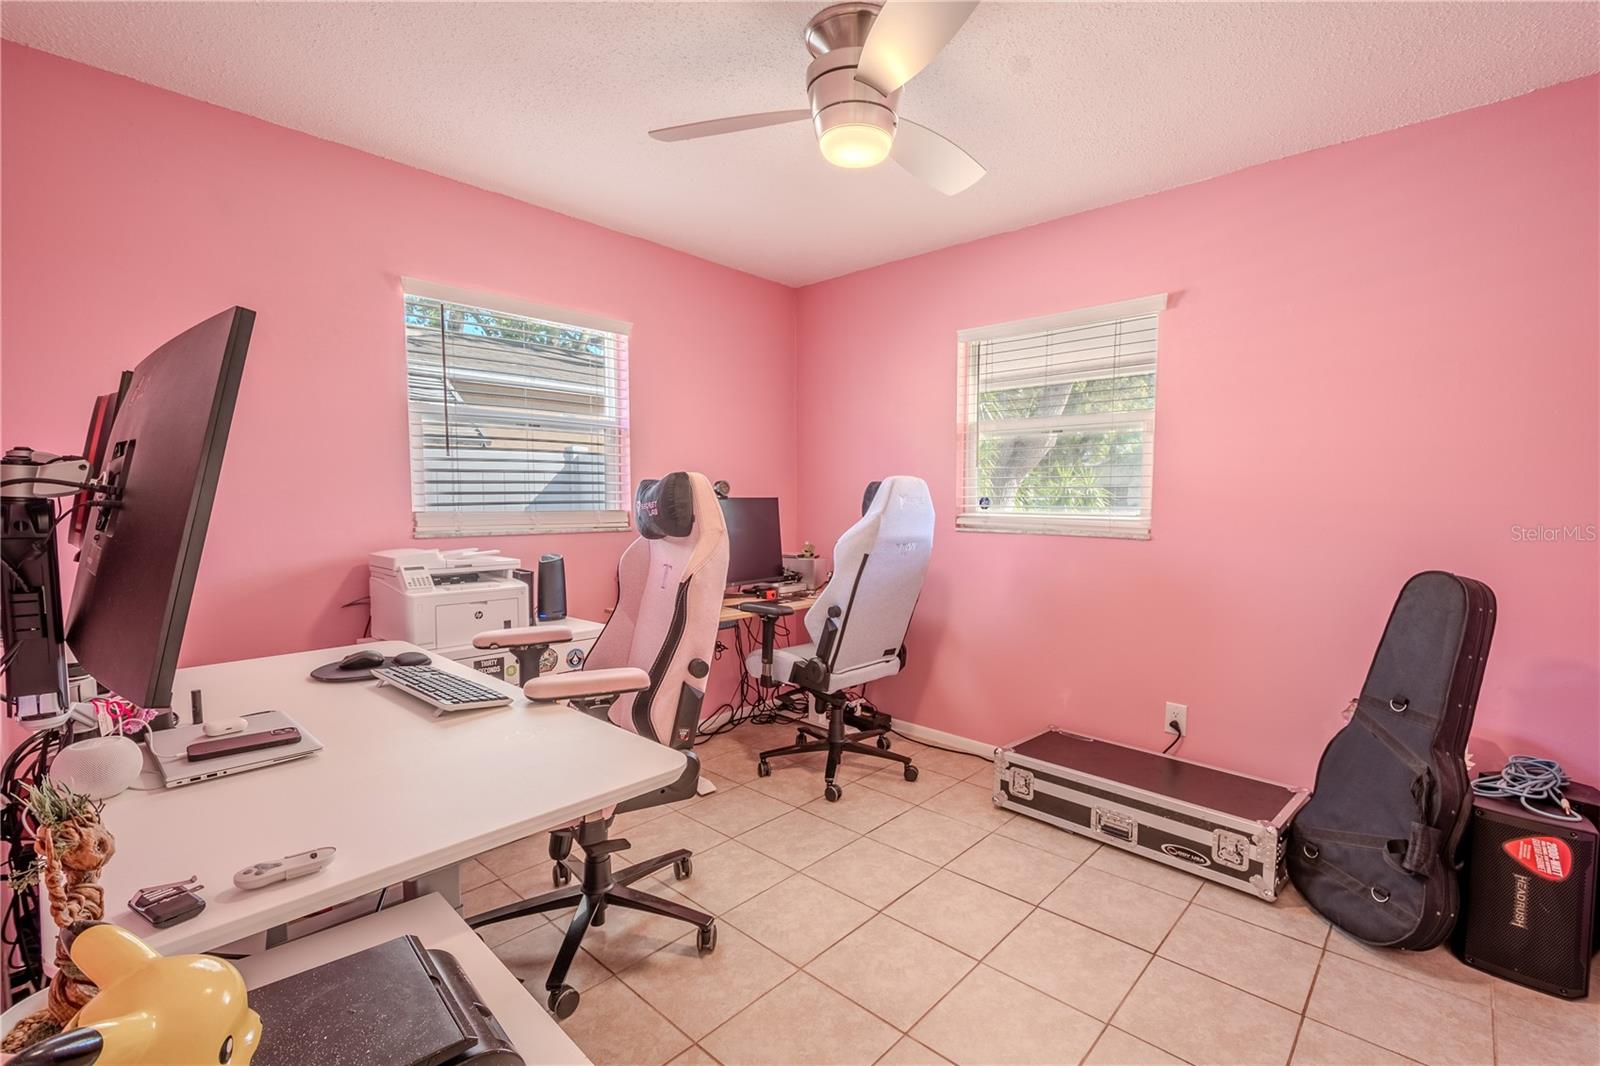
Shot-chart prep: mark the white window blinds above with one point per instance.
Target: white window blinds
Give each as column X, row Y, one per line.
column 519, row 416
column 1058, row 420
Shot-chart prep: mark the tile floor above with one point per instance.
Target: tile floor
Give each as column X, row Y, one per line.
column 917, row 923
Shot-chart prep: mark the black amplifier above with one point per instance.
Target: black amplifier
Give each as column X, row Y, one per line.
column 1528, row 897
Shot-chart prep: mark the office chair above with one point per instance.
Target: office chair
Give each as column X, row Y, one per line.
column 858, row 624
column 646, row 672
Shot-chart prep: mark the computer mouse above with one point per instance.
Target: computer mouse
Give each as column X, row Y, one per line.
column 361, row 660
column 412, row 658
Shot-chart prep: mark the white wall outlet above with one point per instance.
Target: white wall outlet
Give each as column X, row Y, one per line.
column 1176, row 719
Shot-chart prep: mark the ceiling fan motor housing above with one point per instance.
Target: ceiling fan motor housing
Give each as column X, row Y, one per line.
column 835, row 36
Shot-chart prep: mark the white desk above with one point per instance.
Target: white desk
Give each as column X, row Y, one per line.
column 536, row 1035
column 399, row 792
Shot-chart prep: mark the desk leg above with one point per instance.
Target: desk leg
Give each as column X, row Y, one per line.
column 445, row 881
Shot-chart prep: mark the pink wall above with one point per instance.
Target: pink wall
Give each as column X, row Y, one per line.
column 1379, row 358
column 132, row 213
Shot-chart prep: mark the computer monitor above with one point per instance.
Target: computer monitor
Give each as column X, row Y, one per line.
column 755, row 550
column 137, row 564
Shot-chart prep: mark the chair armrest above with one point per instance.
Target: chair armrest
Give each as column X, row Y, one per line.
column 581, row 684
column 765, row 609
column 522, row 637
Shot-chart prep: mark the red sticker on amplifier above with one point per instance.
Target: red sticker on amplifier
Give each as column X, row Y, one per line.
column 1549, row 857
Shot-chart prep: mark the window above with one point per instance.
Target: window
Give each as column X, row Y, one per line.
column 519, row 415
column 1058, row 419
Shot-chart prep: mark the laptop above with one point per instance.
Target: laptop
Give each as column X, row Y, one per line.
column 170, row 748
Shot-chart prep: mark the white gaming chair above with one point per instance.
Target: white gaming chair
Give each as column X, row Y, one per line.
column 857, row 626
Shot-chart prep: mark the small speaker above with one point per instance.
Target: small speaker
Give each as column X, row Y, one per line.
column 99, row 767
column 552, row 588
column 1528, row 897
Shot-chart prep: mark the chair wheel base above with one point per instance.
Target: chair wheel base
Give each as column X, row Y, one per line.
column 682, row 869
column 706, row 941
column 560, row 874
column 911, row 772
column 832, row 792
column 763, row 769
column 562, row 1001
column 800, row 736
column 883, row 742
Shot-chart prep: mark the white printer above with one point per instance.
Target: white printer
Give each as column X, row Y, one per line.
column 440, row 600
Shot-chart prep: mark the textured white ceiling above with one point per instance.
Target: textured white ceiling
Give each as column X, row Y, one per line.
column 1069, row 105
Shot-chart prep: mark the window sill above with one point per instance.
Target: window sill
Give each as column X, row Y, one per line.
column 436, row 524
column 1055, row 526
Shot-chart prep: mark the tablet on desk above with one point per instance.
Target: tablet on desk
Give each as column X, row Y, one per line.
column 171, row 747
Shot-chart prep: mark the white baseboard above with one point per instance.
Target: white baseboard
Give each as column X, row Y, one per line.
column 940, row 739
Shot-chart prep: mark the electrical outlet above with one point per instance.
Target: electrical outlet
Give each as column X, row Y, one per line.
column 1176, row 719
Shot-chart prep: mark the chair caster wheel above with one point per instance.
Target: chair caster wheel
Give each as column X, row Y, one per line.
column 911, row 772
column 706, row 942
column 562, row 1001
column 800, row 736
column 763, row 769
column 682, row 869
column 560, row 874
column 883, row 742
column 832, row 792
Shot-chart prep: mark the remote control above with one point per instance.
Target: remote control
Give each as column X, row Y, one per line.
column 287, row 868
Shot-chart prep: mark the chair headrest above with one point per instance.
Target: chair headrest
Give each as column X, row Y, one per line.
column 866, row 497
column 664, row 507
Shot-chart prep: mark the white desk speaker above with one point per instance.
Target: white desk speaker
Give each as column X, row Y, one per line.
column 99, row 767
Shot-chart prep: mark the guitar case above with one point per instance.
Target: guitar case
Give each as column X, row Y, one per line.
column 1373, row 850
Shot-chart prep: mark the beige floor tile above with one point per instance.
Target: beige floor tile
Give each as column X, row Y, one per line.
column 614, row 1027
column 966, row 802
column 726, row 876
column 1289, row 914
column 1319, row 1045
column 802, row 1022
column 539, row 879
column 964, row 914
column 797, row 839
column 891, row 969
column 1415, row 1019
column 907, row 1052
column 1275, row 967
column 873, row 873
column 474, row 874
column 486, row 897
column 529, row 956
column 859, row 809
column 799, row 918
column 622, row 823
column 698, row 992
column 792, row 782
column 1145, row 872
column 1081, row 967
column 502, row 932
column 1013, row 867
column 927, row 835
column 629, row 935
column 892, row 779
column 1205, row 1021
column 1531, row 1027
column 695, row 1056
column 732, row 811
column 1057, row 841
column 518, row 855
column 993, row 1019
column 1116, row 1048
column 738, row 767
column 949, row 763
column 658, row 836
column 852, row 767
column 982, row 773
column 1438, row 967
column 1141, row 916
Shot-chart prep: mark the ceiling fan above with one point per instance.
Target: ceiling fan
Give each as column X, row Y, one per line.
column 863, row 54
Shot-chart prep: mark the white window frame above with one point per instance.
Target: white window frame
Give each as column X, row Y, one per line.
column 510, row 523
column 1134, row 527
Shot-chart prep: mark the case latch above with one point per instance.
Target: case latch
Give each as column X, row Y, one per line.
column 1021, row 783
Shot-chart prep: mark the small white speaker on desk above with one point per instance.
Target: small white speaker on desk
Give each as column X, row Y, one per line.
column 99, row 767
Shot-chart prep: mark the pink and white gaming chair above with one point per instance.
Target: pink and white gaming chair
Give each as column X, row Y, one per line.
column 646, row 673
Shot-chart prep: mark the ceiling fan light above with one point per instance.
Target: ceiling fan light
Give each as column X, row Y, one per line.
column 856, row 145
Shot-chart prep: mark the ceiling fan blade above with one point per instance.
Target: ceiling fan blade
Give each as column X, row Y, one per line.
column 734, row 124
column 905, row 37
column 937, row 161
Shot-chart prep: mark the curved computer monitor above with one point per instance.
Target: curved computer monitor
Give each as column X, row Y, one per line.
column 755, row 549
column 138, row 560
